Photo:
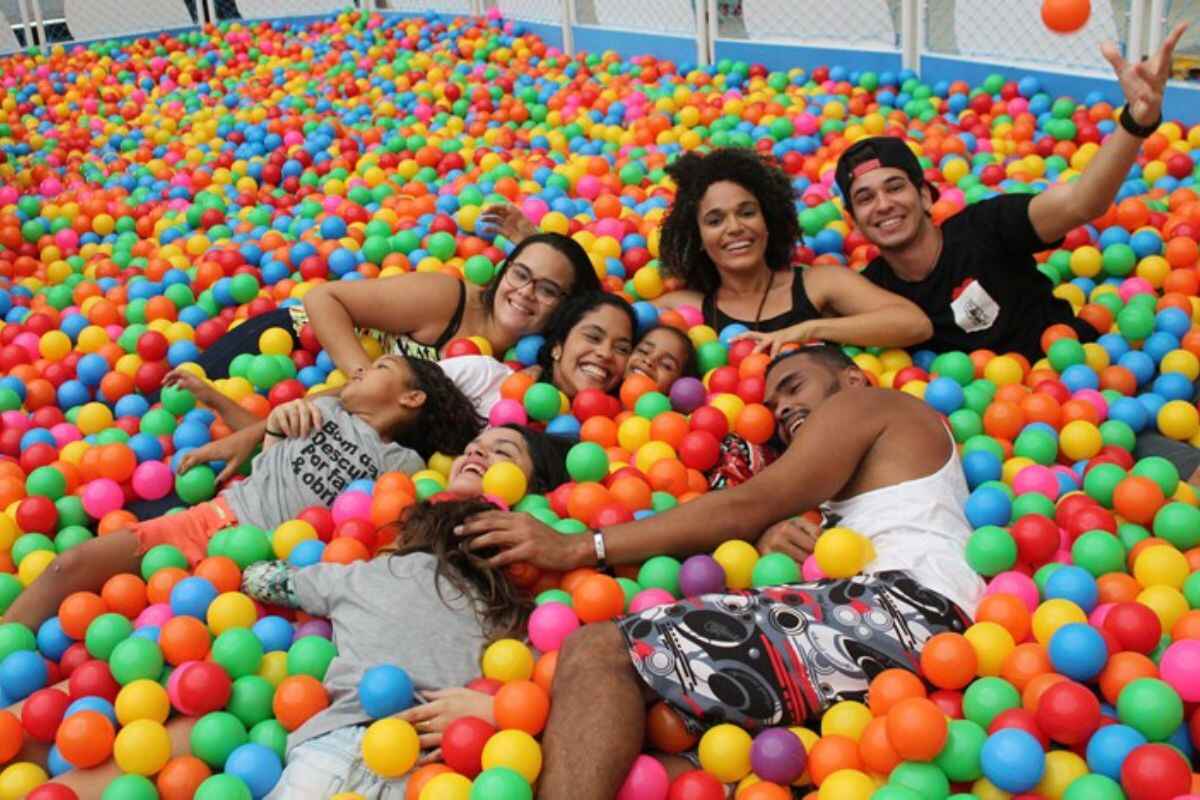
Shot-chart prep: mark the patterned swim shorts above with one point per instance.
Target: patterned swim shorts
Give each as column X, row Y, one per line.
column 784, row 654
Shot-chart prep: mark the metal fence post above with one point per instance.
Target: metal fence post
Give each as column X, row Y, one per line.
column 210, row 12
column 714, row 30
column 41, row 24
column 1135, row 42
column 568, row 33
column 702, row 23
column 1158, row 18
column 910, row 38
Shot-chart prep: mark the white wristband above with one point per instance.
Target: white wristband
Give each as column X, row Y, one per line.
column 601, row 553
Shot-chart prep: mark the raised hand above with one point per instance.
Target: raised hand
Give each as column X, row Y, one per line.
column 234, row 449
column 508, row 221
column 295, row 419
column 1143, row 82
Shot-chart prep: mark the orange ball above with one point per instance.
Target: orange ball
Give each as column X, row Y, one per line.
column 1121, row 669
column 522, row 705
column 12, row 736
column 668, row 475
column 632, row 492
column 221, row 571
column 1031, row 695
column 601, row 430
column 764, row 790
column 544, row 669
column 948, row 661
column 876, row 749
column 830, row 754
column 1024, row 663
column 1138, row 499
column 77, row 611
column 586, row 499
column 344, row 550
column 418, row 780
column 181, row 777
column 1187, row 626
column 125, row 594
column 756, row 423
column 297, row 698
column 634, row 387
column 1007, row 611
column 754, row 366
column 117, row 462
column 1117, row 587
column 916, row 727
column 666, row 730
column 115, row 520
column 1003, row 420
column 890, row 687
column 598, row 598
column 515, row 386
column 158, row 588
column 85, row 739
column 184, row 639
column 669, row 427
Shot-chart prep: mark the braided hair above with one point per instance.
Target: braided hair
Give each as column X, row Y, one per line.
column 447, row 421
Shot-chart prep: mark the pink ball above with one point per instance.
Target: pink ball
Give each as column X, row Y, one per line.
column 1099, row 614
column 589, row 187
column 173, row 685
column 102, row 496
column 152, row 480
column 647, row 780
column 610, row 227
column 507, row 412
column 1036, row 478
column 1180, row 665
column 691, row 315
column 1095, row 400
column 64, row 433
column 551, row 623
column 535, row 208
column 15, row 420
column 1063, row 556
column 1131, row 286
column 351, row 505
column 649, row 598
column 1017, row 584
column 496, row 501
column 154, row 616
column 811, row 571
column 67, row 239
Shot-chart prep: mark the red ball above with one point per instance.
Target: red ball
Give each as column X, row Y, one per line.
column 1155, row 771
column 739, row 350
column 950, row 701
column 285, row 391
column 610, row 514
column 203, row 687
column 1037, row 539
column 1021, row 719
column 1134, row 626
column 360, row 529
column 152, row 346
column 321, row 519
column 696, row 785
column 52, row 791
column 1092, row 518
column 1069, row 505
column 590, row 403
column 38, row 455
column 1068, row 712
column 43, row 711
column 93, row 679
column 74, row 656
column 149, row 376
column 711, row 419
column 909, row 374
column 485, row 685
column 37, row 514
column 460, row 347
column 462, row 744
column 752, row 389
column 724, row 380
column 700, row 450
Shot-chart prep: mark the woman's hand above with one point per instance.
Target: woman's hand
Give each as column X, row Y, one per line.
column 235, row 449
column 443, row 707
column 508, row 221
column 772, row 343
column 795, row 537
column 295, row 419
column 204, row 391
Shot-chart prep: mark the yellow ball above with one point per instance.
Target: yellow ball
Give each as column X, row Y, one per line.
column 1165, row 601
column 142, row 747
column 895, row 360
column 651, row 453
column 516, row 750
column 869, row 363
column 725, row 753
column 440, row 462
column 848, row 718
column 738, row 559
column 506, row 481
column 33, row 565
column 1161, row 565
column 431, row 474
column 1086, row 261
column 1052, row 615
column 1179, row 420
column 54, row 345
column 1080, row 439
column 847, row 784
column 274, row 667
column 1183, row 361
column 648, row 283
column 992, row 643
column 93, row 418
column 142, row 699
column 840, row 552
column 18, row 780
column 633, row 433
column 730, row 405
column 702, row 334
column 1003, row 370
column 1062, row 769
column 507, row 660
column 983, row 789
column 390, row 747
column 485, row 347
column 555, row 222
column 446, row 786
column 231, row 610
column 290, row 534
column 275, row 342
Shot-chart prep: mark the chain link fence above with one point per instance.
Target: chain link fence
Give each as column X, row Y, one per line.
column 672, row 17
column 274, row 9
column 418, row 6
column 872, row 24
column 1186, row 64
column 1013, row 33
column 548, row 12
column 64, row 21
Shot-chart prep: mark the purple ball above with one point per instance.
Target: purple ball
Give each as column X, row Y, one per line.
column 777, row 755
column 315, row 627
column 701, row 575
column 687, row 394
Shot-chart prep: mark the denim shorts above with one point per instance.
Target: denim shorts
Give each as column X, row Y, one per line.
column 330, row 764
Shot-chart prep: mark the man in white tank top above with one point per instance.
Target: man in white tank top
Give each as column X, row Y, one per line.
column 881, row 459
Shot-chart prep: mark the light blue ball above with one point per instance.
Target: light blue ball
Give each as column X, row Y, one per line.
column 1109, row 747
column 257, row 765
column 1013, row 760
column 1078, row 651
column 385, row 690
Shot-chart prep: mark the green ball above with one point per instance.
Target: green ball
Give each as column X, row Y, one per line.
column 1099, row 552
column 223, row 787
column 264, row 372
column 1135, row 323
column 215, row 736
column 1159, row 470
column 1130, row 534
column 426, row 488
column 104, row 634
column 1119, row 260
column 10, row 588
column 13, row 637
column 239, row 651
column 651, row 404
column 924, row 779
column 570, row 526
column 959, row 758
column 134, row 659
column 954, row 365
column 243, row 287
column 157, row 422
column 984, row 442
column 660, row 572
column 1151, row 707
column 130, row 787
column 991, row 550
column 269, row 733
column 1115, row 432
column 774, row 569
column 529, row 502
column 1037, row 445
column 250, row 700
column 375, row 249
column 9, row 400
column 632, row 174
column 895, row 793
column 178, row 401
column 553, row 596
column 630, row 588
column 29, row 543
column 247, row 545
column 546, row 516
column 196, row 485
column 479, row 270
column 587, row 461
column 441, row 245
column 711, row 355
column 71, row 536
column 162, row 556
column 1101, row 481
column 1032, row 503
column 240, row 366
column 1094, row 787
column 979, row 395
column 965, row 423
column 1191, row 590
column 987, row 698
column 1179, row 524
column 1065, row 353
column 46, row 482
column 500, row 783
column 542, row 402
column 1043, row 574
column 662, row 501
column 310, row 655
column 70, row 511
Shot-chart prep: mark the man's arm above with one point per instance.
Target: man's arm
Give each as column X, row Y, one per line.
column 1063, row 207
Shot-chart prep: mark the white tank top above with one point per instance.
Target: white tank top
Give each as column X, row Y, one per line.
column 918, row 526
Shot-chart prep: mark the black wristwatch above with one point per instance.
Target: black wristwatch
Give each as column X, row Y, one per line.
column 1133, row 128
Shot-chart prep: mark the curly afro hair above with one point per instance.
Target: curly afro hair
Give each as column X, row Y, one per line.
column 681, row 248
column 447, row 422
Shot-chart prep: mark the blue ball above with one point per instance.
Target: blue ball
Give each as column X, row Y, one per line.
column 92, row 703
column 1075, row 584
column 1174, row 386
column 385, row 690
column 564, row 425
column 131, row 405
column 988, row 506
column 1013, row 760
column 57, row 765
column 22, row 673
column 275, row 633
column 945, row 395
column 1141, row 365
column 307, row 553
column 151, row 632
column 1174, row 321
column 1129, row 411
column 1108, row 748
column 528, row 348
column 1158, row 344
column 192, row 596
column 1078, row 651
column 51, row 640
column 980, row 466
column 364, row 485
column 647, row 316
column 257, row 765
column 1080, row 376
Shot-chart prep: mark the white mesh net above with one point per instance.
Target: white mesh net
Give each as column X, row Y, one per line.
column 266, row 9
column 675, row 17
column 1187, row 54
column 873, row 24
column 418, row 6
column 545, row 11
column 1013, row 33
column 8, row 36
column 89, row 20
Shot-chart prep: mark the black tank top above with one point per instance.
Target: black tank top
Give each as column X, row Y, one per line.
column 802, row 309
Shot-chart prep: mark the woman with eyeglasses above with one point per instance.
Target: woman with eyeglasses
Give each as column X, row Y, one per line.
column 417, row 314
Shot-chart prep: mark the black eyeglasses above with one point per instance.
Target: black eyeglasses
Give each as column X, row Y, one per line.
column 546, row 290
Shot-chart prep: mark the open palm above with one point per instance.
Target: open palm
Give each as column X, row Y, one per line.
column 1143, row 81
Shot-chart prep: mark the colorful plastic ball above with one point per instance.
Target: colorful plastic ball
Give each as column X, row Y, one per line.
column 311, row 655
column 841, row 553
column 142, row 747
column 507, row 660
column 85, row 739
column 506, row 481
column 1013, row 760
column 223, row 787
column 258, row 767
column 778, row 755
column 724, row 753
column 646, row 780
column 550, row 624
column 774, row 569
column 1150, row 706
column 1153, row 771
column 1108, row 748
column 516, row 750
column 385, row 690
column 701, row 574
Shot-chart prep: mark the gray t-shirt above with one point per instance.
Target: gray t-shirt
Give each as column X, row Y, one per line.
column 387, row 611
column 297, row 473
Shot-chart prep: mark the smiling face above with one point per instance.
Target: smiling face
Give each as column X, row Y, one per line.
column 796, row 386
column 533, row 285
column 733, row 229
column 889, row 210
column 661, row 356
column 595, row 352
column 387, row 381
column 493, row 446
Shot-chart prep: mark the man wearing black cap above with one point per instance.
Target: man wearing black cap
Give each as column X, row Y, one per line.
column 975, row 276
